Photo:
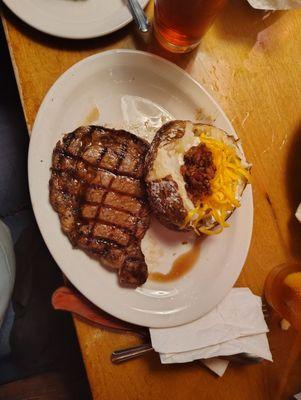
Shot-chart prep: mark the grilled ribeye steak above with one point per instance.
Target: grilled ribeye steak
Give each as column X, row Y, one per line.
column 96, row 187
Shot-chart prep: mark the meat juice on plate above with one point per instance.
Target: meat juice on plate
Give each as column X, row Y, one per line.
column 179, row 25
column 181, row 266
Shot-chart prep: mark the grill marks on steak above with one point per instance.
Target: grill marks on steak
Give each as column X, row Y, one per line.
column 96, row 188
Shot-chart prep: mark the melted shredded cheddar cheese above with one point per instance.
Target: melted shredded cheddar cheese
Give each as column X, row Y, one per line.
column 223, row 200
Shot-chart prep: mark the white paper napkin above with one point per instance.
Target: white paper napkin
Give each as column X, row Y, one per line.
column 217, row 365
column 236, row 325
column 298, row 396
column 298, row 213
column 275, row 4
column 256, row 345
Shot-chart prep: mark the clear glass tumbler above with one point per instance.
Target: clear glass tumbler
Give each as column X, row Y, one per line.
column 180, row 24
column 283, row 292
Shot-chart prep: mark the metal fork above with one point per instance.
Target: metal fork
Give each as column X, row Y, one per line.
column 123, row 355
column 139, row 15
column 120, row 356
column 265, row 309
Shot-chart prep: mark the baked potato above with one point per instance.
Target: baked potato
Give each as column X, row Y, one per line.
column 195, row 176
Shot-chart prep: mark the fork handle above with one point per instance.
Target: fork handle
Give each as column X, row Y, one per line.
column 139, row 15
column 120, row 356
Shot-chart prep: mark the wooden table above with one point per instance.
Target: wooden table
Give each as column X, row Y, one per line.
column 251, row 62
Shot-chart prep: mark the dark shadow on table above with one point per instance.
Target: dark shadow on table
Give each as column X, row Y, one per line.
column 293, row 179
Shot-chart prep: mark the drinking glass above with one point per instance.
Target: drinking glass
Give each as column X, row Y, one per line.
column 283, row 292
column 180, row 24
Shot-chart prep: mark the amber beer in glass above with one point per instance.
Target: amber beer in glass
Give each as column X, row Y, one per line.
column 180, row 24
column 283, row 292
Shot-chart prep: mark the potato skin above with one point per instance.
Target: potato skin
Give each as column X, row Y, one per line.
column 165, row 201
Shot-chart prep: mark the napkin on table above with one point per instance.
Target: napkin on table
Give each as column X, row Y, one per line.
column 298, row 213
column 275, row 4
column 236, row 325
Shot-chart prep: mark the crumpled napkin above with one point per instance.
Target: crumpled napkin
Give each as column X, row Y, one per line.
column 298, row 396
column 275, row 4
column 236, row 325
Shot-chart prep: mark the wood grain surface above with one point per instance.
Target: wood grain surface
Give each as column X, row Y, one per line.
column 251, row 62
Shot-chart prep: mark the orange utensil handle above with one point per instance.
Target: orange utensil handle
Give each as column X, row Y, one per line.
column 67, row 299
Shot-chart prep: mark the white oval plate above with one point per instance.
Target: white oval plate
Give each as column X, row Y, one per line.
column 126, row 88
column 73, row 19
